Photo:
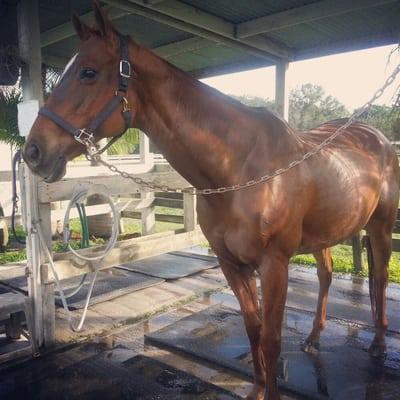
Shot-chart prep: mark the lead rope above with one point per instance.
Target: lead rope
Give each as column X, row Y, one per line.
column 79, row 195
column 93, row 155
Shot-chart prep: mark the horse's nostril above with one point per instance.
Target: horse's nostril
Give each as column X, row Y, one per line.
column 32, row 154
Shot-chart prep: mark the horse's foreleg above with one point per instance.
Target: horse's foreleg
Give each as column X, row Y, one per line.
column 243, row 283
column 274, row 282
column 324, row 271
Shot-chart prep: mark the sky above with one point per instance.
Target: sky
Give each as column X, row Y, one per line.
column 350, row 77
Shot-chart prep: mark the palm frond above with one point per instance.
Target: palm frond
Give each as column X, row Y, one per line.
column 9, row 132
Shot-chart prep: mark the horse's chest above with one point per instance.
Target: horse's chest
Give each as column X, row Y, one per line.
column 234, row 233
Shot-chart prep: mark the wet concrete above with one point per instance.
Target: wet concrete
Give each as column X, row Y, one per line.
column 96, row 372
column 108, row 368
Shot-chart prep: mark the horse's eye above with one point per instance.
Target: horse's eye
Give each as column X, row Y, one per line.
column 88, row 73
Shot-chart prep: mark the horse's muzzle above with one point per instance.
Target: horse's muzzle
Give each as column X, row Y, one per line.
column 51, row 169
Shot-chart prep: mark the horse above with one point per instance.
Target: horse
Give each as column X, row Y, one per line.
column 214, row 141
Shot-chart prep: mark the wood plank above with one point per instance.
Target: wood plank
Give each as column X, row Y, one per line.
column 135, row 249
column 171, row 203
column 147, row 215
column 264, row 49
column 115, row 184
column 164, row 195
column 175, row 219
column 189, row 212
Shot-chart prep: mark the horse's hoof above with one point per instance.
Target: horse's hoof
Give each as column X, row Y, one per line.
column 310, row 346
column 377, row 351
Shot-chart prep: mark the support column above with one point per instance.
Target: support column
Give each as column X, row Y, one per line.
column 41, row 292
column 281, row 93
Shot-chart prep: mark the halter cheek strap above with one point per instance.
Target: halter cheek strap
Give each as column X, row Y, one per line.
column 85, row 136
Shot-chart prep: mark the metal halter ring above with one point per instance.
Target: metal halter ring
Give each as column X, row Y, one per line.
column 84, row 137
column 125, row 68
column 125, row 105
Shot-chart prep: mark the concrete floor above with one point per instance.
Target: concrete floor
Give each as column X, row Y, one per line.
column 115, row 329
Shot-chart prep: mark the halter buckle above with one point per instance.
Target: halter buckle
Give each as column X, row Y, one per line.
column 125, row 68
column 84, row 137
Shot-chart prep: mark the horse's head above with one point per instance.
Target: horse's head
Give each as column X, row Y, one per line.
column 88, row 84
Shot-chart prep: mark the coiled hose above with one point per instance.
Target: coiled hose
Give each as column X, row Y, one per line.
column 81, row 193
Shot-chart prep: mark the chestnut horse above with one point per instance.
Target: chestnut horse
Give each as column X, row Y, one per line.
column 214, row 141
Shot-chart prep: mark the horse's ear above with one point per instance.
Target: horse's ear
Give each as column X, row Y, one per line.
column 103, row 23
column 81, row 28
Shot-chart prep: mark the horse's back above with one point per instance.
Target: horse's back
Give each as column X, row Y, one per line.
column 357, row 137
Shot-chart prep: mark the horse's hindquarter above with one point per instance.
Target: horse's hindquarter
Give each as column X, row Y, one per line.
column 347, row 177
column 317, row 204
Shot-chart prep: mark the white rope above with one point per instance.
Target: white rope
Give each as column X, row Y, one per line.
column 81, row 194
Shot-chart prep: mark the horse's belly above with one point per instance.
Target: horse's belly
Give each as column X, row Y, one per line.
column 336, row 224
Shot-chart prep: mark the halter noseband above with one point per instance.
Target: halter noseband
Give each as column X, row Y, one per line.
column 85, row 136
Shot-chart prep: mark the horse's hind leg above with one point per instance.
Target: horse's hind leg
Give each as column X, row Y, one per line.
column 324, row 271
column 379, row 229
column 380, row 241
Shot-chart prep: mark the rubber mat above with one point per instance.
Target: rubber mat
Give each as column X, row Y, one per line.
column 19, row 283
column 4, row 289
column 172, row 266
column 109, row 285
column 340, row 371
column 96, row 377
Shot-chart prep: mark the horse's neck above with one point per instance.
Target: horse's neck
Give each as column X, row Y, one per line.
column 203, row 134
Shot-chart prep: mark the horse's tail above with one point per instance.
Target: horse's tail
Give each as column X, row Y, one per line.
column 371, row 278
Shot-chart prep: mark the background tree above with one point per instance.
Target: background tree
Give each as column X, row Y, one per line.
column 385, row 118
column 309, row 106
column 255, row 101
column 9, row 132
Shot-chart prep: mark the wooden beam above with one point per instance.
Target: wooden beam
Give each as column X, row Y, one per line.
column 303, row 14
column 273, row 53
column 175, row 219
column 31, row 83
column 183, row 46
column 128, row 250
column 116, row 185
column 192, row 15
column 189, row 212
column 67, row 30
column 148, row 216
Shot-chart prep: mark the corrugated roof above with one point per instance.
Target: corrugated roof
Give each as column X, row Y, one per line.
column 158, row 23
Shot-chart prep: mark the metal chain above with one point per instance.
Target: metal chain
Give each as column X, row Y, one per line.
column 264, row 178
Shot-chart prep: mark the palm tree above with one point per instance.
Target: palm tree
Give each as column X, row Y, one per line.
column 9, row 133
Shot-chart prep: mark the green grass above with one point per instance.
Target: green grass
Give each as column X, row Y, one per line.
column 343, row 262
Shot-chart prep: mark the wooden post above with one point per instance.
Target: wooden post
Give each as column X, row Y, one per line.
column 144, row 148
column 31, row 83
column 189, row 212
column 281, row 95
column 356, row 244
column 148, row 214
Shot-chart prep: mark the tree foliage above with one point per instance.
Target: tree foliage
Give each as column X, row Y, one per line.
column 127, row 144
column 9, row 132
column 309, row 106
column 255, row 101
column 385, row 118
